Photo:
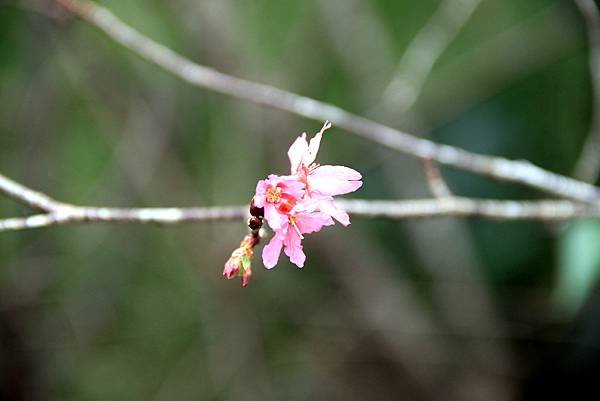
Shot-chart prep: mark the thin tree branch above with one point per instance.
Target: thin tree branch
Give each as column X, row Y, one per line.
column 588, row 165
column 435, row 181
column 60, row 213
column 549, row 210
column 86, row 214
column 508, row 170
column 553, row 210
column 27, row 196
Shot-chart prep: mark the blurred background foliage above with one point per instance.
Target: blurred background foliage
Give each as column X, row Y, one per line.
column 417, row 310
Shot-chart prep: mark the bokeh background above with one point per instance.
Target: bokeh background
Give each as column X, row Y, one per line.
column 443, row 309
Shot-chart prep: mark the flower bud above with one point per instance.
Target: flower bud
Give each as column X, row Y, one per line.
column 232, row 266
column 255, row 210
column 255, row 223
column 241, row 259
column 246, row 276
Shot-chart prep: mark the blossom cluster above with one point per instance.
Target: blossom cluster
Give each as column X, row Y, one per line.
column 302, row 202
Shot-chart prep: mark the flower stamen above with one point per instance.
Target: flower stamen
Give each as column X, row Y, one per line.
column 273, row 194
column 293, row 223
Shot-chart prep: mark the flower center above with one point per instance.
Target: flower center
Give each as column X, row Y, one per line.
column 273, row 194
column 286, row 206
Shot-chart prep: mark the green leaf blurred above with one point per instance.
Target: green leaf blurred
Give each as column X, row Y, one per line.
column 578, row 265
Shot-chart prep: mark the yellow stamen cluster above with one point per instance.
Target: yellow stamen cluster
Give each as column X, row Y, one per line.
column 273, row 194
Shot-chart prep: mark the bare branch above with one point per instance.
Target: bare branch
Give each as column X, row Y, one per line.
column 508, row 170
column 59, row 213
column 81, row 214
column 467, row 207
column 551, row 210
column 588, row 165
column 27, row 196
column 435, row 181
column 425, row 50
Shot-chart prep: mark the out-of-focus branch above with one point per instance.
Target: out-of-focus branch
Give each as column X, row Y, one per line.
column 435, row 181
column 588, row 165
column 60, row 213
column 509, row 170
column 424, row 51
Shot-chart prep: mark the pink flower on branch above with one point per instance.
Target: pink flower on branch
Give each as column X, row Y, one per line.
column 290, row 235
column 294, row 205
column 278, row 195
column 302, row 202
column 322, row 182
column 325, row 180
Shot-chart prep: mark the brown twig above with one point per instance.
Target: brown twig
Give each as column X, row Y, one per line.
column 517, row 171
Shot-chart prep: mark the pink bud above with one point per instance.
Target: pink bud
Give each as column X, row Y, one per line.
column 232, row 266
column 246, row 276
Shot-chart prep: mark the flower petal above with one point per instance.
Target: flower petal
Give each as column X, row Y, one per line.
column 330, row 209
column 261, row 190
column 341, row 172
column 271, row 251
column 313, row 149
column 312, row 222
column 291, row 186
column 333, row 186
column 273, row 217
column 334, row 180
column 315, row 142
column 297, row 152
column 293, row 248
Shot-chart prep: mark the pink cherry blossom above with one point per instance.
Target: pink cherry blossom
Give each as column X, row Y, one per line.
column 302, row 202
column 322, row 182
column 278, row 195
column 289, row 236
